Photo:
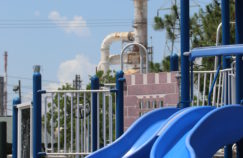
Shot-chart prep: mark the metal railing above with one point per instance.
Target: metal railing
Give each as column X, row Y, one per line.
column 68, row 121
column 75, row 122
column 224, row 88
column 143, row 53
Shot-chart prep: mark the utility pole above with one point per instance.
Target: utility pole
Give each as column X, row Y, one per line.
column 77, row 82
column 20, row 90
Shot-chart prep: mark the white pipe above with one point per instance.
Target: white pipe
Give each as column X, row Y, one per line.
column 217, row 42
column 141, row 52
column 78, row 91
column 105, row 47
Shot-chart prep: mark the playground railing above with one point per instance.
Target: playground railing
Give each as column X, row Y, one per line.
column 70, row 122
column 67, row 121
column 224, row 89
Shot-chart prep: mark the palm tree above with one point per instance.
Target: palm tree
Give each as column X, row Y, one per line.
column 171, row 23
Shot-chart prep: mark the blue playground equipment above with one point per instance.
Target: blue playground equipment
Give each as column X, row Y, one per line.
column 132, row 143
column 197, row 132
column 190, row 132
column 183, row 131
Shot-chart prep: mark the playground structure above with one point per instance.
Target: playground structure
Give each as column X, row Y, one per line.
column 195, row 130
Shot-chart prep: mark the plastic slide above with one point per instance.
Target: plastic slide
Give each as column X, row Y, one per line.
column 173, row 134
column 199, row 132
column 137, row 141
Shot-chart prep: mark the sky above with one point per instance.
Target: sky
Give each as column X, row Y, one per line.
column 31, row 34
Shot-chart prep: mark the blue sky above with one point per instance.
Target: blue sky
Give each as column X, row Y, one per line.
column 64, row 52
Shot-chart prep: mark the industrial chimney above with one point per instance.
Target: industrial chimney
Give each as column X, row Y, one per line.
column 5, row 82
column 140, row 21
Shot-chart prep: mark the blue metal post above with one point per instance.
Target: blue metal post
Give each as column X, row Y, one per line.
column 94, row 85
column 185, row 46
column 174, row 62
column 225, row 29
column 239, row 63
column 119, row 104
column 36, row 112
column 16, row 101
column 225, row 12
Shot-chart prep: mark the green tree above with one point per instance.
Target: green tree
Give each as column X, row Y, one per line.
column 203, row 26
column 155, row 67
column 166, row 64
column 171, row 23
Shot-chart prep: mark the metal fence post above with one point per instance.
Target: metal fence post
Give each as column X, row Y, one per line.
column 3, row 139
column 174, row 62
column 225, row 9
column 185, row 47
column 16, row 101
column 119, row 104
column 36, row 112
column 239, row 63
column 94, row 85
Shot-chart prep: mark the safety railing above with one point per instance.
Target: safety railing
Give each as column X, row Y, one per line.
column 71, row 122
column 68, row 122
column 224, row 89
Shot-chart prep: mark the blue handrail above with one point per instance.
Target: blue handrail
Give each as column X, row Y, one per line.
column 214, row 81
column 226, row 50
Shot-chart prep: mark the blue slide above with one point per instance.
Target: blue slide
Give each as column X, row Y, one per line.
column 199, row 132
column 194, row 132
column 137, row 141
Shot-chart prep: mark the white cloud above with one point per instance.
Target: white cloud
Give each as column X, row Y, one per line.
column 79, row 65
column 68, row 69
column 77, row 25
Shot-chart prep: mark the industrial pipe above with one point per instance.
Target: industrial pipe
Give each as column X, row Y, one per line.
column 105, row 47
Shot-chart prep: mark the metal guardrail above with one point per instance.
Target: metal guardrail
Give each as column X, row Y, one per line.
column 68, row 121
column 76, row 122
column 203, row 81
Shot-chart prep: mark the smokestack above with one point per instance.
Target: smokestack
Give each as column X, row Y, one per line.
column 5, row 83
column 140, row 21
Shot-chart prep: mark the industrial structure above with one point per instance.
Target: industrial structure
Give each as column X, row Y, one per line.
column 3, row 88
column 139, row 35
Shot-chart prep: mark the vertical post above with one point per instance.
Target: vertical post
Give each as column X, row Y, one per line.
column 16, row 101
column 36, row 111
column 185, row 44
column 3, row 139
column 94, row 86
column 20, row 90
column 174, row 62
column 225, row 12
column 119, row 104
column 239, row 63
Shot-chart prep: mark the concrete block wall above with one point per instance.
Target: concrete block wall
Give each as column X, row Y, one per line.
column 144, row 92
